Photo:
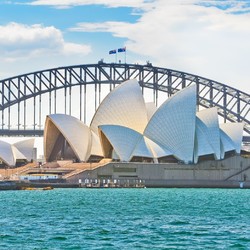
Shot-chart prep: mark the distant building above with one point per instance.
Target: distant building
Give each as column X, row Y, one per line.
column 126, row 129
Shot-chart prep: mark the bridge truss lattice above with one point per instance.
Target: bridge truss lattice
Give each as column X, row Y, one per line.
column 77, row 90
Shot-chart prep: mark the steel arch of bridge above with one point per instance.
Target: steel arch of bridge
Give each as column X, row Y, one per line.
column 233, row 105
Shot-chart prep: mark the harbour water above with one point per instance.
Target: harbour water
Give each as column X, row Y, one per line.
column 125, row 219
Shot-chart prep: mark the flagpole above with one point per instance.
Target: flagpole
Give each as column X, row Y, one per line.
column 113, row 52
column 123, row 50
column 125, row 54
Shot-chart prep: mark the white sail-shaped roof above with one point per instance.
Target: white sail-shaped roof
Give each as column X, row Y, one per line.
column 115, row 155
column 142, row 149
column 17, row 154
column 202, row 145
column 158, row 151
column 76, row 133
column 208, row 123
column 26, row 147
column 235, row 132
column 173, row 124
column 123, row 106
column 6, row 153
column 96, row 148
column 226, row 143
column 122, row 139
column 124, row 127
column 151, row 108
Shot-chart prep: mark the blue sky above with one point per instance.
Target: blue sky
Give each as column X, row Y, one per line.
column 208, row 38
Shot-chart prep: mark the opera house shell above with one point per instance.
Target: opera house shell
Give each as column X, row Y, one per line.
column 126, row 129
column 16, row 154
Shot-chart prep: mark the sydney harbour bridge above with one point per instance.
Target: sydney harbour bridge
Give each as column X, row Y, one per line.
column 78, row 90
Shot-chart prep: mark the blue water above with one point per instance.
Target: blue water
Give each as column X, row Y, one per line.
column 125, row 219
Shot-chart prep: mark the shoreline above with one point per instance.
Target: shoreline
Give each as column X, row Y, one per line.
column 17, row 185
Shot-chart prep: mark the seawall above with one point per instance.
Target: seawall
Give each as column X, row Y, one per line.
column 228, row 173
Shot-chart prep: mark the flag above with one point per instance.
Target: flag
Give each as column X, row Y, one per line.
column 122, row 49
column 112, row 51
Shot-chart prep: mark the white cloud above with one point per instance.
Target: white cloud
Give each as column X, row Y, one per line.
column 73, row 48
column 101, row 27
column 207, row 41
column 197, row 36
column 109, row 3
column 234, row 6
column 27, row 48
column 19, row 40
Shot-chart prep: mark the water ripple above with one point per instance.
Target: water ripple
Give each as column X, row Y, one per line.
column 125, row 219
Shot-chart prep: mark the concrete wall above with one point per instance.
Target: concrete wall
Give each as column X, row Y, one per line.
column 224, row 173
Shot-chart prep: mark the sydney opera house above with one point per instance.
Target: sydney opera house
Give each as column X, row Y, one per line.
column 126, row 129
column 16, row 154
column 175, row 144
